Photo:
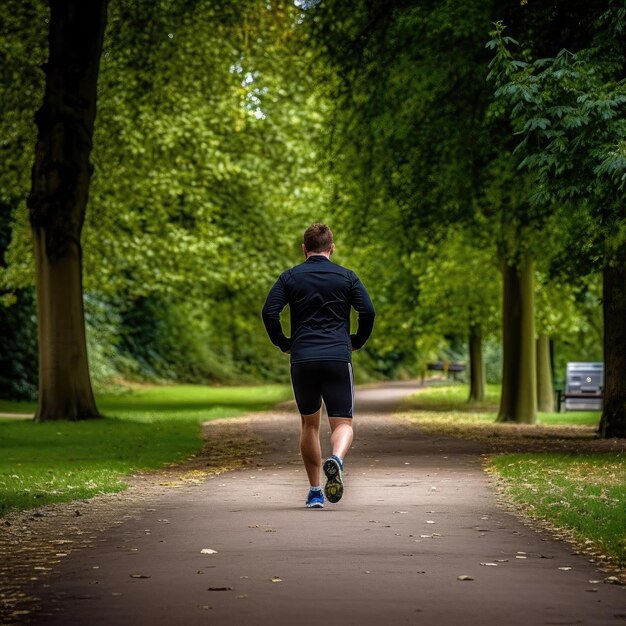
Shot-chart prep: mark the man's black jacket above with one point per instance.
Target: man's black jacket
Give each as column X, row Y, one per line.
column 319, row 294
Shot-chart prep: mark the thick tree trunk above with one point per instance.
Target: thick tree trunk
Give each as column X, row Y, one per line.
column 545, row 388
column 613, row 422
column 477, row 369
column 518, row 402
column 57, row 203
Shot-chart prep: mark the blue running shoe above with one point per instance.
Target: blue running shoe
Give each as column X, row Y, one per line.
column 315, row 499
column 333, row 469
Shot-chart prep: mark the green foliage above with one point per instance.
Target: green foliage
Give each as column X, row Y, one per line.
column 582, row 495
column 19, row 360
column 224, row 129
column 205, row 152
column 569, row 113
column 60, row 461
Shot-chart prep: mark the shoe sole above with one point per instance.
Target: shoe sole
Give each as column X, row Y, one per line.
column 317, row 505
column 333, row 490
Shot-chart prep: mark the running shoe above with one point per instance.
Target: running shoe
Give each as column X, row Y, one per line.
column 315, row 499
column 333, row 469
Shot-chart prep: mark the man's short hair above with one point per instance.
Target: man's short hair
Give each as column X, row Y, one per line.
column 318, row 238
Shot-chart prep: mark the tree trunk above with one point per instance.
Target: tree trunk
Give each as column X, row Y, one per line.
column 477, row 370
column 613, row 421
column 57, row 202
column 518, row 402
column 545, row 388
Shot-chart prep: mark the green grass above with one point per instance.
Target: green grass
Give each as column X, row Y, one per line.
column 448, row 404
column 583, row 495
column 145, row 429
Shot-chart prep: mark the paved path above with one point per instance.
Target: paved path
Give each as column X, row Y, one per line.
column 418, row 513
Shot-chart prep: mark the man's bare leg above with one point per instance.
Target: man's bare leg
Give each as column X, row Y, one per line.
column 342, row 434
column 310, row 446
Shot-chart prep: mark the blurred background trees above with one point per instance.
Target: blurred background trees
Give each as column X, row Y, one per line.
column 456, row 167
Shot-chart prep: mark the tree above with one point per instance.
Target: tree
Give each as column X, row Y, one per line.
column 570, row 112
column 57, row 203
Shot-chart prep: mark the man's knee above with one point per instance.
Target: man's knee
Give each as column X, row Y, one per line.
column 344, row 422
column 312, row 421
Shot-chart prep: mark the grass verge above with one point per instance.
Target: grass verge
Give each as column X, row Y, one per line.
column 580, row 497
column 144, row 429
column 444, row 408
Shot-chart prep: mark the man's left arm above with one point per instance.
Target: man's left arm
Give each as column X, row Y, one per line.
column 361, row 301
column 275, row 303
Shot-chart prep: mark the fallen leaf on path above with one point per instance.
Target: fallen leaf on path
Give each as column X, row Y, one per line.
column 613, row 580
column 464, row 577
column 277, row 579
column 430, row 521
column 565, row 569
column 490, row 564
column 520, row 556
column 400, row 511
column 220, row 589
column 208, row 551
column 139, row 576
column 242, row 596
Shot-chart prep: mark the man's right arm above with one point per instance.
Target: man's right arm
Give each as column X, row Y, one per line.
column 275, row 303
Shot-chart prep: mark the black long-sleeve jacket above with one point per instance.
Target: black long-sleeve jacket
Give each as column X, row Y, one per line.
column 319, row 294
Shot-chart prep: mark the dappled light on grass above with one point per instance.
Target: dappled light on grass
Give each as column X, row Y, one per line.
column 63, row 461
column 445, row 409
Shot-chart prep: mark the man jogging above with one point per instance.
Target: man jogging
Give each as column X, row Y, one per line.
column 319, row 294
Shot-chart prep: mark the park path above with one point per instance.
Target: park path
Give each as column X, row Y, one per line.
column 418, row 512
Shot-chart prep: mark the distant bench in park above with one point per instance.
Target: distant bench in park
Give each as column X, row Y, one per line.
column 446, row 367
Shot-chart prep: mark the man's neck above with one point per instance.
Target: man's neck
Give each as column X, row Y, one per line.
column 325, row 253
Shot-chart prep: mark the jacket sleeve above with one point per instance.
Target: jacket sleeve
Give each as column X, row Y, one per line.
column 362, row 303
column 274, row 304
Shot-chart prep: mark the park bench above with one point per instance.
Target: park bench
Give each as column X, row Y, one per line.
column 584, row 387
column 446, row 367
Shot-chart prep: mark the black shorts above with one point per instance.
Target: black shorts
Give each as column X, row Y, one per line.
column 331, row 381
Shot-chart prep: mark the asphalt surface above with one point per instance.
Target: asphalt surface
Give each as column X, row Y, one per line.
column 418, row 513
